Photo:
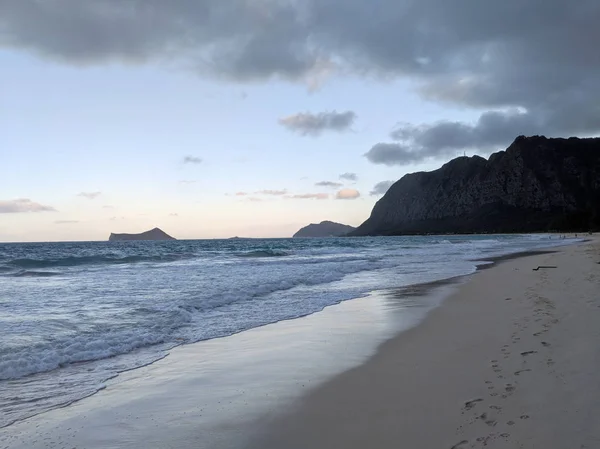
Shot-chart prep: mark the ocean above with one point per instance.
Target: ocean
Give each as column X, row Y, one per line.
column 74, row 315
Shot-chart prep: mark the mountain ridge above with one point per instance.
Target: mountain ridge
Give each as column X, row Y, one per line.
column 537, row 184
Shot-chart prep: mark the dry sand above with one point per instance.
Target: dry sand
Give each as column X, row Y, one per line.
column 512, row 360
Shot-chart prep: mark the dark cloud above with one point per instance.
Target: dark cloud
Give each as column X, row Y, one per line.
column 381, row 187
column 192, row 160
column 329, row 184
column 308, row 196
column 90, row 195
column 349, row 176
column 272, row 192
column 59, row 222
column 445, row 139
column 22, row 205
column 538, row 57
column 308, row 124
column 347, row 194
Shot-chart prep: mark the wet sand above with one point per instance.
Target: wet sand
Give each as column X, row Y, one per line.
column 511, row 360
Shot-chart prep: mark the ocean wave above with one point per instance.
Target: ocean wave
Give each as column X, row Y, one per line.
column 74, row 261
column 35, row 274
column 264, row 253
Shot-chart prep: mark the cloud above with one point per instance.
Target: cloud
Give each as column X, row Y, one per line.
column 59, row 222
column 173, row 215
column 23, row 205
column 192, row 160
column 90, row 195
column 329, row 184
column 308, row 124
column 241, row 194
column 308, row 196
column 254, row 199
column 539, row 57
column 186, row 181
column 381, row 187
column 448, row 139
column 349, row 176
column 347, row 194
column 108, row 206
column 272, row 192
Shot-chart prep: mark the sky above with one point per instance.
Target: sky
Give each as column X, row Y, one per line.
column 220, row 118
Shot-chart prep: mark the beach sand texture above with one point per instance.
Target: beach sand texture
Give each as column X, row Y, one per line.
column 511, row 360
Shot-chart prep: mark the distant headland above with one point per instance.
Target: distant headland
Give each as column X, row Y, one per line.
column 324, row 229
column 153, row 234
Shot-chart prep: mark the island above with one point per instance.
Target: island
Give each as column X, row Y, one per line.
column 538, row 184
column 153, row 234
column 324, row 229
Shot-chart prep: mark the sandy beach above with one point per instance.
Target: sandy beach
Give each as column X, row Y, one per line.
column 509, row 361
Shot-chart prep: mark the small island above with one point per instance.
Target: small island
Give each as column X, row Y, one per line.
column 153, row 234
column 324, row 229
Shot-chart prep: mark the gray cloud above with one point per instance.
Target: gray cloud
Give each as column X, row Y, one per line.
column 347, row 194
column 381, row 187
column 90, row 195
column 349, row 176
column 308, row 124
column 59, row 222
column 329, row 184
column 272, row 192
column 538, row 56
column 192, row 160
column 308, row 196
column 22, row 205
column 491, row 131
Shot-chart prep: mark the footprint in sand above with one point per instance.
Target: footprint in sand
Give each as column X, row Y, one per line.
column 528, row 353
column 511, row 423
column 524, row 416
column 460, row 445
column 495, row 407
column 470, row 404
column 518, row 373
column 510, row 388
column 545, row 343
column 491, row 423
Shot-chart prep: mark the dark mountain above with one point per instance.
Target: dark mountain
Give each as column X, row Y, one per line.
column 153, row 234
column 324, row 229
column 537, row 184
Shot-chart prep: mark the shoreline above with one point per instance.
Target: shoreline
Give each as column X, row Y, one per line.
column 132, row 378
column 487, row 368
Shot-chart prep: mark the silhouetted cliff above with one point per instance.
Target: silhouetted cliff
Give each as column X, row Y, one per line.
column 537, row 184
column 153, row 234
